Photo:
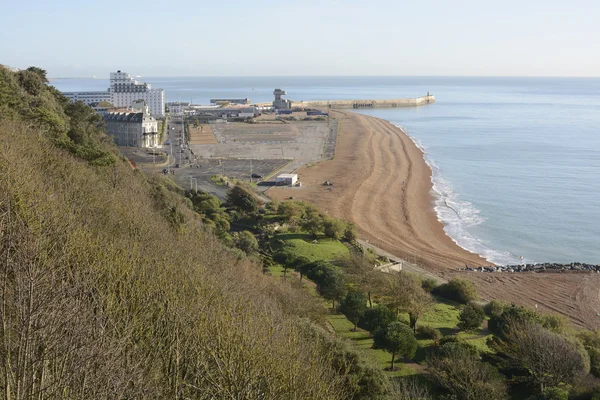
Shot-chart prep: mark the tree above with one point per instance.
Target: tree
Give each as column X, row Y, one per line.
column 316, row 270
column 406, row 294
column 301, row 264
column 290, row 210
column 331, row 285
column 458, row 369
column 246, row 242
column 353, row 306
column 361, row 271
column 549, row 357
column 242, row 198
column 312, row 222
column 286, row 259
column 334, row 228
column 471, row 317
column 39, row 72
column 397, row 339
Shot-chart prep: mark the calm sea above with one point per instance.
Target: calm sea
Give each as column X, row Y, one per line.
column 516, row 161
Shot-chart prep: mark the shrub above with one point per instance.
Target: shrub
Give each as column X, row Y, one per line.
column 471, row 317
column 242, row 198
column 429, row 284
column 246, row 242
column 428, row 332
column 377, row 318
column 512, row 316
column 350, row 232
column 334, row 228
column 458, row 369
column 460, row 290
column 494, row 308
column 556, row 323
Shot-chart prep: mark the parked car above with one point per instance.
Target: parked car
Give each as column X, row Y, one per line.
column 168, row 142
column 176, row 165
column 256, row 176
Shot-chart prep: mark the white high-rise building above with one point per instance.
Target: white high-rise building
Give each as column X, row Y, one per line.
column 123, row 91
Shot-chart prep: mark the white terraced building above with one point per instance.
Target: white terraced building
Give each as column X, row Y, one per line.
column 132, row 127
column 123, row 91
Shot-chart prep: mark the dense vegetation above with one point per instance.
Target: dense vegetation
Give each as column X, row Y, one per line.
column 112, row 287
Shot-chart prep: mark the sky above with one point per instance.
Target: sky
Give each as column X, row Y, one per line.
column 76, row 38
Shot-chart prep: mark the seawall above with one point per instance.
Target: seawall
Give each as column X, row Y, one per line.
column 361, row 104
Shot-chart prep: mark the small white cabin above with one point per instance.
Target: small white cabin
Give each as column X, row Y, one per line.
column 286, row 179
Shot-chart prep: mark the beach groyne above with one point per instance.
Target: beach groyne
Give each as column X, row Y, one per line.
column 366, row 104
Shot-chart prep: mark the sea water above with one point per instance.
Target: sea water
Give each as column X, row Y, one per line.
column 515, row 161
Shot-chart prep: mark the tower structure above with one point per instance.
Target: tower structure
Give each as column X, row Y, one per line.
column 280, row 103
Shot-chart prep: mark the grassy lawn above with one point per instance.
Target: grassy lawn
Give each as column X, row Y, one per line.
column 362, row 341
column 302, row 245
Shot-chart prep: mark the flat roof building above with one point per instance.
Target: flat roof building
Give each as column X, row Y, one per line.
column 286, row 179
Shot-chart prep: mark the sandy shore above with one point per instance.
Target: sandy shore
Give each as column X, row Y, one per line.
column 383, row 185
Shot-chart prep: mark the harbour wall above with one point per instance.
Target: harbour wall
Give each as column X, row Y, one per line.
column 362, row 104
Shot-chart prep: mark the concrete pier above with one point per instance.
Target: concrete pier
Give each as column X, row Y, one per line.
column 361, row 104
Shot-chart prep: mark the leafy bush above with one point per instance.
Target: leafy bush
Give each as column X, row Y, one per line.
column 458, row 369
column 460, row 290
column 512, row 315
column 429, row 284
column 471, row 317
column 494, row 308
column 428, row 332
column 350, row 232
column 334, row 228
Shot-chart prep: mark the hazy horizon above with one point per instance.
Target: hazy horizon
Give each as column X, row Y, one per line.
column 308, row 38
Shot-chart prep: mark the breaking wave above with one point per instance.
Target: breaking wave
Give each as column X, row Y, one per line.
column 458, row 215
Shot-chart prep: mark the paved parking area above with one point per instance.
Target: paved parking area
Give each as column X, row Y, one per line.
column 303, row 141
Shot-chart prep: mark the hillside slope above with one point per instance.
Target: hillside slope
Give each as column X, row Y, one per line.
column 112, row 288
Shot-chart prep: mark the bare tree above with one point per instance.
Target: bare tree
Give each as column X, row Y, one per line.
column 406, row 294
column 458, row 369
column 550, row 358
column 362, row 272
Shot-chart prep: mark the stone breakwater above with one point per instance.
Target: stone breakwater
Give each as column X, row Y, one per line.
column 541, row 267
column 365, row 104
